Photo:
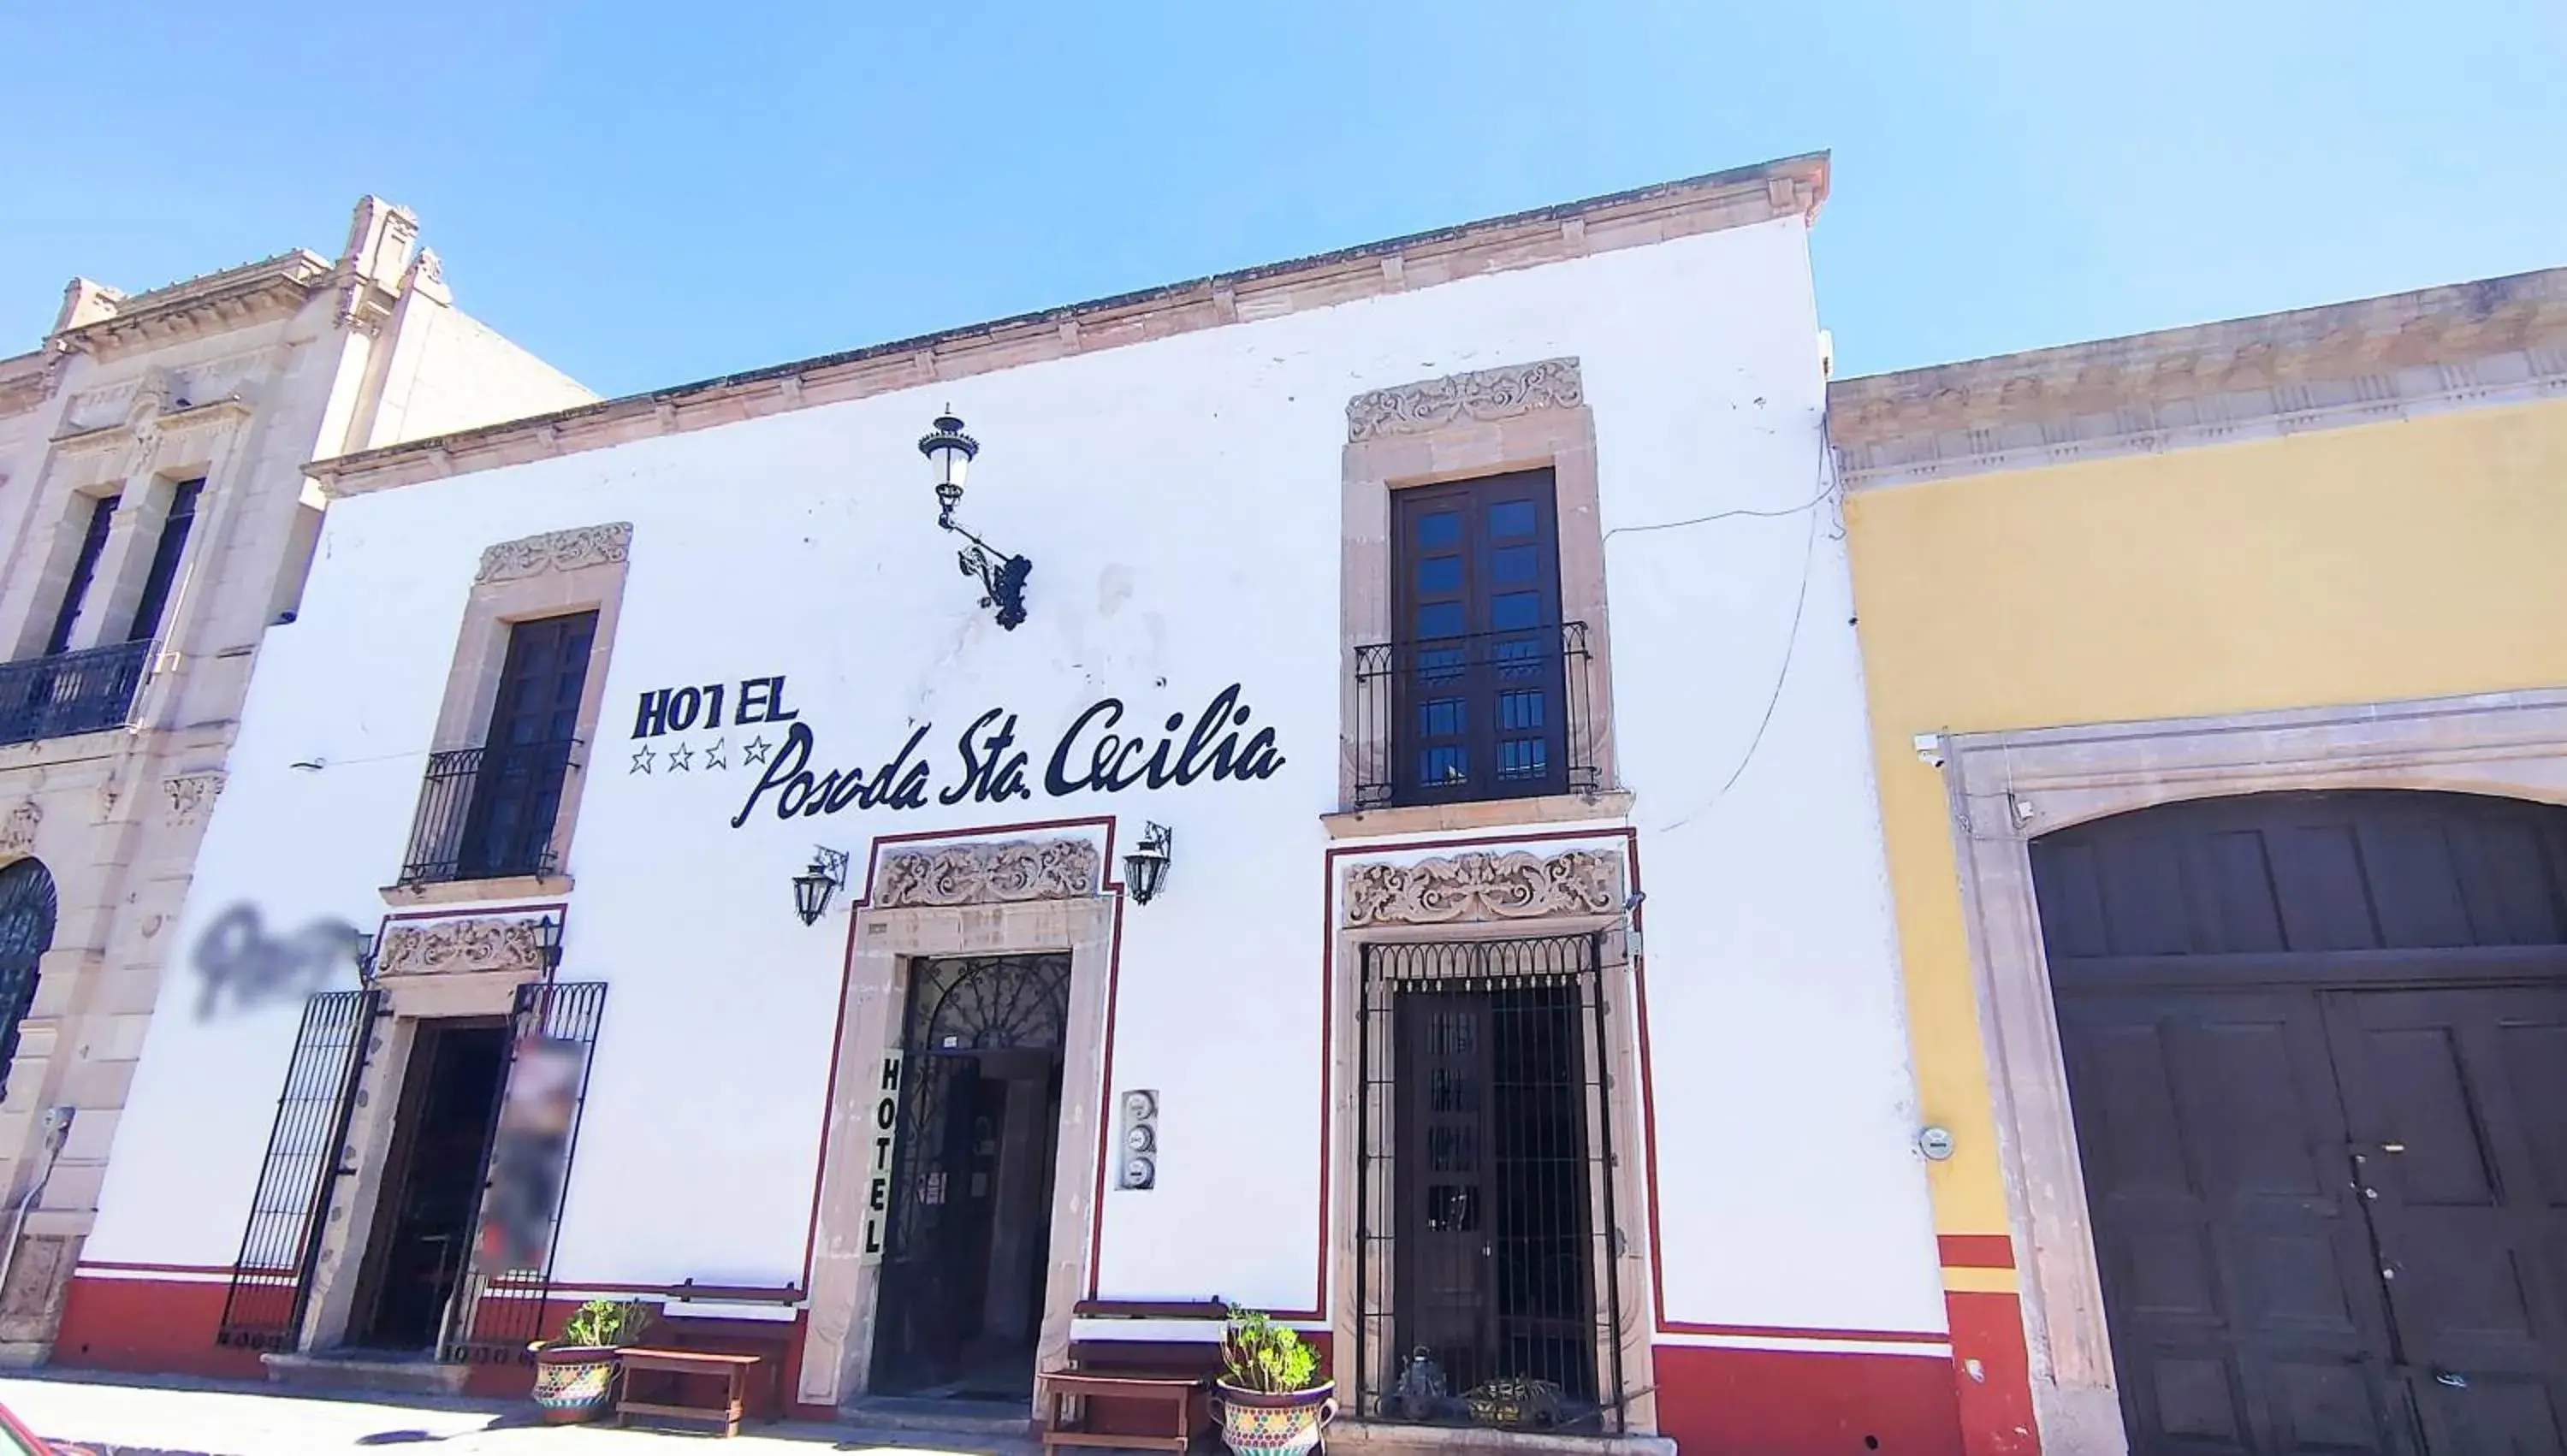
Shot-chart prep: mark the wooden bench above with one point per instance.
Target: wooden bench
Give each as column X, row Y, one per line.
column 733, row 1370
column 757, row 1321
column 1170, row 1381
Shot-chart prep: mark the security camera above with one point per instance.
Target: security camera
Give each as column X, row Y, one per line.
column 1929, row 749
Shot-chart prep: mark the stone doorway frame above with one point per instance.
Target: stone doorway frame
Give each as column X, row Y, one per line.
column 1458, row 891
column 962, row 897
column 2008, row 788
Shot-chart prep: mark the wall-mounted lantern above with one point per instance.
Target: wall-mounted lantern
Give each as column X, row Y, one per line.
column 549, row 937
column 812, row 887
column 365, row 947
column 950, row 453
column 1146, row 867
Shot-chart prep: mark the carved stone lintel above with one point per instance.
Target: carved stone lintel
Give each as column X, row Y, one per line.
column 556, row 551
column 18, row 830
column 1510, row 885
column 1485, row 394
column 190, row 794
column 461, row 946
column 987, row 874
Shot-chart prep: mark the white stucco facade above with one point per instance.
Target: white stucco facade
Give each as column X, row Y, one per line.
column 1183, row 501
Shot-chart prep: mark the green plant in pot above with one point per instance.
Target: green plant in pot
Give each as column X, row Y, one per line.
column 1273, row 1399
column 575, row 1372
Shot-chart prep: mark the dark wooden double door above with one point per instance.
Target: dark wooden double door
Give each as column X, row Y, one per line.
column 2317, row 1050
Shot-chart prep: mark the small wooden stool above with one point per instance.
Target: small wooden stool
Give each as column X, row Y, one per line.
column 733, row 1370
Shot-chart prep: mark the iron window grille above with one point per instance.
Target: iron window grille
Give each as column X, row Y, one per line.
column 488, row 813
column 1487, row 1288
column 1488, row 716
column 71, row 691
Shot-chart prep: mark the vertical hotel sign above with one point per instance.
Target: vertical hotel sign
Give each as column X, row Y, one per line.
column 880, row 1128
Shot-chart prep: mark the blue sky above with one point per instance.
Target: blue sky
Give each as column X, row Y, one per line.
column 648, row 194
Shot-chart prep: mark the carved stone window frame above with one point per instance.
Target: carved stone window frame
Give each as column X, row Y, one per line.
column 1489, row 422
column 1484, row 891
column 549, row 575
column 1020, row 896
column 2008, row 788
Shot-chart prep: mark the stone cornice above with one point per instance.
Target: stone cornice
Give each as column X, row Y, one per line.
column 1791, row 187
column 251, row 293
column 26, row 381
column 2493, row 342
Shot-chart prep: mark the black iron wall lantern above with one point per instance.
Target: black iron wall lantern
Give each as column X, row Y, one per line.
column 1146, row 867
column 950, row 453
column 812, row 887
column 365, row 947
column 548, row 937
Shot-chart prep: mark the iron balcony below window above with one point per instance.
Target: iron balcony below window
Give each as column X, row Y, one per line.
column 487, row 813
column 71, row 691
column 1488, row 716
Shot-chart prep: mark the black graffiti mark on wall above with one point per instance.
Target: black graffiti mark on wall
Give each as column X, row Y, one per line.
column 1091, row 756
column 243, row 968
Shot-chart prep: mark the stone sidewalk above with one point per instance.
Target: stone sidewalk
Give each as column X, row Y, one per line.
column 143, row 1416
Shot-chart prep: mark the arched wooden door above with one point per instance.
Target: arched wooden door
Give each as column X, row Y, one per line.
column 2317, row 1050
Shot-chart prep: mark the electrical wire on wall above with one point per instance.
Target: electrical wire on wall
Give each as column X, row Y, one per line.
column 1829, row 495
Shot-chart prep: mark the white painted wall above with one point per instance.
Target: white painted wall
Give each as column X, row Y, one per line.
column 1180, row 500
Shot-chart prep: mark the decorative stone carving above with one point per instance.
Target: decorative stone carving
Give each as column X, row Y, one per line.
column 1512, row 885
column 556, row 551
column 190, row 794
column 987, row 874
column 18, row 831
column 462, row 945
column 1486, row 394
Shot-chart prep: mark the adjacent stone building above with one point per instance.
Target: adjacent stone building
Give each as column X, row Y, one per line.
column 2218, row 684
column 155, row 520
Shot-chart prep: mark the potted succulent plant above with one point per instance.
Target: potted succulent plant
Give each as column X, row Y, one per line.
column 1272, row 1402
column 575, row 1373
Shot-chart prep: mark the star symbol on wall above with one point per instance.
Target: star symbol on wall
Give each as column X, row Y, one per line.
column 714, row 757
column 753, row 751
column 680, row 758
column 641, row 760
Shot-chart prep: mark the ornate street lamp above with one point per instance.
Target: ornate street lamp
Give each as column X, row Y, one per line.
column 812, row 887
column 549, row 937
column 1146, row 867
column 1002, row 575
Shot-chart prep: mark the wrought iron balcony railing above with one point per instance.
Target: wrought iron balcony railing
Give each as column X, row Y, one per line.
column 1493, row 716
column 71, row 691
column 487, row 813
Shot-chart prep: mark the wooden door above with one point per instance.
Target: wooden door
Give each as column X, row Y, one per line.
column 2456, row 1106
column 525, row 755
column 2316, row 1047
column 1447, row 1298
column 2238, row 1287
column 1480, row 705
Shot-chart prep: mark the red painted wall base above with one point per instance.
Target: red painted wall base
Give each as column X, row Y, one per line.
column 1996, row 1396
column 1748, row 1402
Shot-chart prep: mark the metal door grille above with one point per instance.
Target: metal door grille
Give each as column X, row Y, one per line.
column 1484, row 1191
column 272, row 1277
column 493, row 1317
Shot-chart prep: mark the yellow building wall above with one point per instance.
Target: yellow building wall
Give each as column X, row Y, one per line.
column 2404, row 559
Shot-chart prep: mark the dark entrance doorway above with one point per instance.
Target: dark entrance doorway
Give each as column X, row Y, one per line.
column 420, row 1244
column 2317, row 1050
column 969, row 1242
column 1484, row 1191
